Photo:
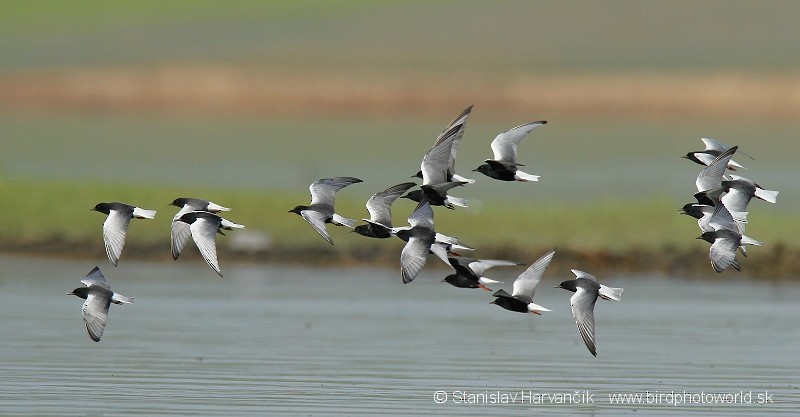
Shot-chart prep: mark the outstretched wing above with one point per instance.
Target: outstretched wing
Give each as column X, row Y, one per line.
column 323, row 191
column 504, row 146
column 525, row 284
column 582, row 303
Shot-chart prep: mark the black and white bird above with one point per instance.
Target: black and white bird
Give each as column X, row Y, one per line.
column 469, row 272
column 180, row 231
column 709, row 181
column 420, row 240
column 116, row 225
column 204, row 227
column 321, row 209
column 379, row 206
column 587, row 290
column 436, row 181
column 460, row 122
column 521, row 298
column 713, row 149
column 504, row 166
column 738, row 193
column 98, row 296
column 725, row 237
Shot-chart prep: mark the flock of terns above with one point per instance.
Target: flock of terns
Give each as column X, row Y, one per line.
column 722, row 200
column 721, row 214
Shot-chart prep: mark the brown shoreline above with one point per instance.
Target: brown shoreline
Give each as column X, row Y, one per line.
column 780, row 263
column 233, row 90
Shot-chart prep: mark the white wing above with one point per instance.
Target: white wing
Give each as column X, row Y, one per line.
column 504, row 146
column 114, row 229
column 204, row 233
column 95, row 314
column 96, row 278
column 525, row 284
column 323, row 191
column 582, row 303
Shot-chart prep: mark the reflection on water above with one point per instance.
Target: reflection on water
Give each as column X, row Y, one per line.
column 282, row 340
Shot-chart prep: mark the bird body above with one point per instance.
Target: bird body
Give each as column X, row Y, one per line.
column 321, row 210
column 115, row 227
column 587, row 290
column 504, row 165
column 180, row 231
column 204, row 227
column 98, row 296
column 521, row 298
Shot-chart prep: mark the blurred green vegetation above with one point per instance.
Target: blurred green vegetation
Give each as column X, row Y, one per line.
column 490, row 37
column 36, row 212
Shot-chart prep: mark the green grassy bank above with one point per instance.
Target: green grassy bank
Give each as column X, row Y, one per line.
column 42, row 217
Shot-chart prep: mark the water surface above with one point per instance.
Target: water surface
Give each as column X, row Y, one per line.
column 281, row 340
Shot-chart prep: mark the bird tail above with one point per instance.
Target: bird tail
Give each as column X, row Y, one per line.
column 343, row 221
column 750, row 241
column 733, row 165
column 609, row 293
column 456, row 201
column 212, row 207
column 229, row 225
column 459, row 178
column 535, row 308
column 121, row 299
column 525, row 177
column 485, row 281
column 143, row 214
column 766, row 195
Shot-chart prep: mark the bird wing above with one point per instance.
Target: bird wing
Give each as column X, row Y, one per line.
column 114, row 229
column 379, row 205
column 713, row 145
column 413, row 256
column 96, row 278
column 525, row 284
column 581, row 274
column 180, row 233
column 459, row 121
column 723, row 252
column 422, row 216
column 722, row 219
column 436, row 162
column 204, row 231
column 710, row 177
column 323, row 191
column 582, row 303
column 504, row 146
column 317, row 221
column 479, row 266
column 95, row 313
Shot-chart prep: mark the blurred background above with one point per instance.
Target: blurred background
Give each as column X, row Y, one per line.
column 246, row 103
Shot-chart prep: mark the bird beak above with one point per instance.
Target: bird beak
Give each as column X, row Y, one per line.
column 557, row 286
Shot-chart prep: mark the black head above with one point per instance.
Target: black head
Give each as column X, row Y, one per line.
column 179, row 202
column 690, row 156
column 451, row 279
column 568, row 285
column 103, row 208
column 483, row 169
column 298, row 209
column 417, row 175
column 192, row 216
column 81, row 292
column 415, row 195
column 691, row 209
column 709, row 237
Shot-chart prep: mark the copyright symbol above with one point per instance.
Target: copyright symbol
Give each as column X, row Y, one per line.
column 440, row 397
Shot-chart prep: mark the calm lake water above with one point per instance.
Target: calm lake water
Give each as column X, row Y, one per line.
column 282, row 340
